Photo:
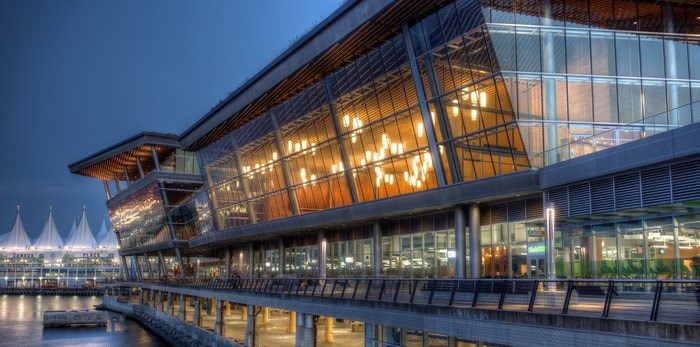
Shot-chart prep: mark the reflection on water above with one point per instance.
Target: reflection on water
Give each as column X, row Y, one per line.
column 21, row 316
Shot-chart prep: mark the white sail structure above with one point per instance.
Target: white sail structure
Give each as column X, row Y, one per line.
column 71, row 231
column 17, row 238
column 49, row 237
column 109, row 241
column 82, row 238
column 106, row 238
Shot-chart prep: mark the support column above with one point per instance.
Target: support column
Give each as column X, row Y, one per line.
column 125, row 268
column 244, row 312
column 181, row 308
column 227, row 262
column 329, row 329
column 265, row 314
column 280, row 247
column 169, row 307
column 474, row 241
column 117, row 183
column 148, row 265
column 227, row 308
column 309, row 331
column 154, row 155
column 197, row 319
column 250, row 326
column 108, row 194
column 141, row 290
column 139, row 167
column 460, row 244
column 218, row 322
column 376, row 249
column 162, row 271
column 549, row 90
column 322, row 244
column 291, row 326
column 126, row 176
column 251, row 263
column 299, row 337
column 159, row 301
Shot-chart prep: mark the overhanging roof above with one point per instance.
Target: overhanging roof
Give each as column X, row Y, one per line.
column 356, row 27
column 112, row 160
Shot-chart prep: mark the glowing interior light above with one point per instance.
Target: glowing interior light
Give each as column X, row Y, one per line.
column 290, row 146
column 341, row 166
column 405, row 176
column 394, row 147
column 334, row 168
column 368, row 155
column 385, row 141
column 432, row 116
column 304, row 144
column 363, row 162
column 274, row 155
column 297, row 147
column 420, row 129
column 482, row 99
column 346, row 120
column 474, row 115
column 455, row 108
column 400, row 148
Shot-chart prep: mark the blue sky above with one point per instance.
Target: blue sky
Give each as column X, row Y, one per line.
column 79, row 76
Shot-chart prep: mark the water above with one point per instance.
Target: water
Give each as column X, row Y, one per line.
column 21, row 324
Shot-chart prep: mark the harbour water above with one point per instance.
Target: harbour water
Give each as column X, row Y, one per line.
column 21, row 324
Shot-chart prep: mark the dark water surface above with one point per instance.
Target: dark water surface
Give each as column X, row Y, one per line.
column 21, row 324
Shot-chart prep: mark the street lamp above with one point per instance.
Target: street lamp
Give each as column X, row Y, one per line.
column 549, row 220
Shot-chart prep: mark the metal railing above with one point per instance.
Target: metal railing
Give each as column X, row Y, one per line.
column 668, row 301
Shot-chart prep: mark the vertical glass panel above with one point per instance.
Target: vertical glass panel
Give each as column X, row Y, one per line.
column 603, row 53
column 449, row 21
column 578, row 52
column 678, row 94
column 433, row 31
column 676, row 51
column 580, row 99
column 503, row 40
column 694, row 58
column 653, row 57
column 629, row 100
column 528, row 49
column 532, row 135
column 529, row 96
column 605, row 100
column 627, row 49
column 553, row 50
column 654, row 102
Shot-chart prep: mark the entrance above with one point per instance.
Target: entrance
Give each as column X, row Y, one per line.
column 536, row 260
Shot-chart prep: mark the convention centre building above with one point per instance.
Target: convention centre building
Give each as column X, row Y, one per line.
column 434, row 139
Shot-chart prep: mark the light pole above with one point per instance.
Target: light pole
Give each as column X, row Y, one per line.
column 549, row 220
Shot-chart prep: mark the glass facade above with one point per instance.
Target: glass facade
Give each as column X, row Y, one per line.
column 473, row 90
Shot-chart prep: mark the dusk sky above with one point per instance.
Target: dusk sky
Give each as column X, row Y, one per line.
column 79, row 76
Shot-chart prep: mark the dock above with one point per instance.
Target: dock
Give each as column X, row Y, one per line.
column 74, row 318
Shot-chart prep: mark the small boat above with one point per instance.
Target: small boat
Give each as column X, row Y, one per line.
column 70, row 318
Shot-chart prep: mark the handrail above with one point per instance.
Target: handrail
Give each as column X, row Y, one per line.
column 669, row 301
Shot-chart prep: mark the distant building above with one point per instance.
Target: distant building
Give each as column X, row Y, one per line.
column 50, row 262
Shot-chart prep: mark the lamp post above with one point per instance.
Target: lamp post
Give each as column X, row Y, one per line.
column 549, row 220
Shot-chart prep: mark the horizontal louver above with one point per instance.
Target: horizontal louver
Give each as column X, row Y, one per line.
column 602, row 195
column 516, row 210
column 685, row 178
column 656, row 187
column 560, row 199
column 579, row 200
column 627, row 192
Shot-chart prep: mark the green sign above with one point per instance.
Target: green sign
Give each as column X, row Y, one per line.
column 535, row 249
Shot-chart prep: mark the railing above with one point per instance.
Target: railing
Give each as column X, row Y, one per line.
column 669, row 301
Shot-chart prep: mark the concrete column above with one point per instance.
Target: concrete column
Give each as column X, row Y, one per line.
column 126, row 176
column 474, row 241
column 227, row 309
column 299, row 330
column 159, row 300
column 139, row 167
column 251, row 263
column 280, row 247
column 108, row 194
column 218, row 322
column 169, row 307
column 322, row 244
column 329, row 329
column 244, row 312
column 162, row 271
column 227, row 263
column 309, row 331
column 154, row 155
column 549, row 92
column 376, row 249
column 265, row 314
column 250, row 327
column 460, row 244
column 291, row 326
column 117, row 183
column 152, row 299
column 181, row 308
column 197, row 319
column 141, row 290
